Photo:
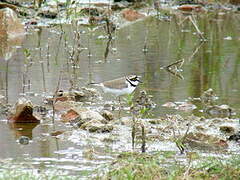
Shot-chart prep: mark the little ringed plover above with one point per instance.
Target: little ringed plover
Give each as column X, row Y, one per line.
column 120, row 86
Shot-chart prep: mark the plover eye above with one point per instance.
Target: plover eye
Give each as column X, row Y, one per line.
column 134, row 78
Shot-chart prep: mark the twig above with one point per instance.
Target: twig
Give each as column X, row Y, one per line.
column 43, row 76
column 145, row 42
column 106, row 52
column 143, row 147
column 178, row 65
column 183, row 20
column 175, row 73
column 193, row 21
column 196, row 27
column 195, row 51
column 55, row 96
column 186, row 133
column 181, row 140
column 186, row 173
column 108, row 27
column 175, row 64
column 48, row 55
column 6, row 80
column 133, row 132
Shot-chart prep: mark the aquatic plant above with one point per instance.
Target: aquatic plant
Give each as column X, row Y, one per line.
column 140, row 107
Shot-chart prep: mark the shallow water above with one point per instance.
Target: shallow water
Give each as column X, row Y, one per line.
column 211, row 64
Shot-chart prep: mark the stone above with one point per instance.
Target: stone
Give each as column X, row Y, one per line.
column 66, row 105
column 48, row 12
column 109, row 106
column 219, row 110
column 190, row 7
column 24, row 140
column 31, row 22
column 205, row 141
column 155, row 121
column 80, row 95
column 80, row 116
column 227, row 129
column 208, row 96
column 42, row 110
column 200, row 128
column 92, row 11
column 56, row 133
column 6, row 5
column 131, row 15
column 235, row 137
column 10, row 24
column 182, row 106
column 120, row 5
column 107, row 115
column 186, row 106
column 85, row 94
column 89, row 120
column 59, row 96
column 85, row 116
column 70, row 115
column 23, row 112
column 235, row 2
column 11, row 33
column 97, row 126
column 169, row 105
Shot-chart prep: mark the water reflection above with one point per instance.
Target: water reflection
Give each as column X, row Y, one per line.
column 8, row 47
column 22, row 129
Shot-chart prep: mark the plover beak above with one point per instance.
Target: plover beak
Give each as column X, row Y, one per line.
column 138, row 79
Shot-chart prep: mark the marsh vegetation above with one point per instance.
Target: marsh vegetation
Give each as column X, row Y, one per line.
column 182, row 122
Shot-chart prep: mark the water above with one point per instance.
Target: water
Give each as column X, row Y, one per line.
column 211, row 64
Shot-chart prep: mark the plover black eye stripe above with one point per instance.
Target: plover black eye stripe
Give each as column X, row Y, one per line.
column 133, row 85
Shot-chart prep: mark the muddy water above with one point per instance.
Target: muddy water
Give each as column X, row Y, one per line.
column 212, row 64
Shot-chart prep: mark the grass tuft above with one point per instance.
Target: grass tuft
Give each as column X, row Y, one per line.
column 132, row 166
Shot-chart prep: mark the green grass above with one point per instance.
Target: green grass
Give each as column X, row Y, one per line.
column 132, row 166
